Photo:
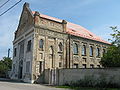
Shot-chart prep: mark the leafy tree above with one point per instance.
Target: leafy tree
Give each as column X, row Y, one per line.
column 115, row 36
column 5, row 65
column 112, row 57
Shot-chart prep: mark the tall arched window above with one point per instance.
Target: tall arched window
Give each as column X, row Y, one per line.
column 91, row 51
column 83, row 50
column 51, row 50
column 97, row 52
column 75, row 48
column 60, row 47
column 51, row 57
column 41, row 43
column 104, row 51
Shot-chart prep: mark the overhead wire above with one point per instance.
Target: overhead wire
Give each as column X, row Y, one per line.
column 4, row 3
column 10, row 8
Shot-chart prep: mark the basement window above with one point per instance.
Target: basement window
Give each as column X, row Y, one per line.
column 75, row 65
column 84, row 65
column 91, row 66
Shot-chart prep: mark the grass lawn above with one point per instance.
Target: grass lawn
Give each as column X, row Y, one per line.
column 86, row 88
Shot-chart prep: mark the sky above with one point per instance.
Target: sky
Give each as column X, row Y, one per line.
column 95, row 15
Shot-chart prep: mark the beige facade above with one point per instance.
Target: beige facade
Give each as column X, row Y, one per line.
column 42, row 43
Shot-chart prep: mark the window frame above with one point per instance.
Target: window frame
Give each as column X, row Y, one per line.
column 84, row 65
column 29, row 44
column 15, row 52
column 91, row 65
column 75, row 49
column 91, row 51
column 97, row 52
column 60, row 47
column 76, row 65
column 83, row 50
column 41, row 44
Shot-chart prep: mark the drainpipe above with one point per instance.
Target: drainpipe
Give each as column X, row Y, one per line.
column 69, row 37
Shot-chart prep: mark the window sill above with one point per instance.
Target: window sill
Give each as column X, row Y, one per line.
column 40, row 49
column 97, row 56
column 83, row 55
column 75, row 54
column 60, row 52
column 91, row 56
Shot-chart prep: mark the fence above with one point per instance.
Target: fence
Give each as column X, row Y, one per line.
column 65, row 76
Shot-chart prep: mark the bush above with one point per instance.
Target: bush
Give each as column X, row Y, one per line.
column 90, row 81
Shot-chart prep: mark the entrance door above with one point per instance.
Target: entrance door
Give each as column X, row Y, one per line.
column 20, row 73
column 40, row 66
column 20, row 69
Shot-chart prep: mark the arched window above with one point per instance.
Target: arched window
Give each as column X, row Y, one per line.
column 51, row 50
column 29, row 46
column 83, row 50
column 97, row 52
column 41, row 43
column 104, row 51
column 75, row 48
column 91, row 51
column 60, row 47
column 51, row 57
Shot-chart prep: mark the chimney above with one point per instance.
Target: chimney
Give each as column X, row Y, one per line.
column 64, row 22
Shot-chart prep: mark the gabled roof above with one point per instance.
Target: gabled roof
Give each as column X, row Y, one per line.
column 77, row 30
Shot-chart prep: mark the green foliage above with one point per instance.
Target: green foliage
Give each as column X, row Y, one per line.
column 112, row 57
column 115, row 36
column 92, row 81
column 5, row 65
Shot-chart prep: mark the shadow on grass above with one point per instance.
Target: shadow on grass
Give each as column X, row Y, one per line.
column 86, row 88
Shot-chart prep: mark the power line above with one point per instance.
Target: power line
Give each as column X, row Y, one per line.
column 10, row 8
column 4, row 3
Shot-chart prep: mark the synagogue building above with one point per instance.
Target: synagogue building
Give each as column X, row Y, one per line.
column 43, row 42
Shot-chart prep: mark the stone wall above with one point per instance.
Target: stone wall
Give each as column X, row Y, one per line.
column 66, row 76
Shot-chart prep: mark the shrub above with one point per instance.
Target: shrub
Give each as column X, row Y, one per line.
column 91, row 81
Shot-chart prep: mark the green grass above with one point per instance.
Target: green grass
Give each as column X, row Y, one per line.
column 86, row 88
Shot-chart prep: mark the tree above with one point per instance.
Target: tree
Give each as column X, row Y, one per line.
column 5, row 65
column 112, row 57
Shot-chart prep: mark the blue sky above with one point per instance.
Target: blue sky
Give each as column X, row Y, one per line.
column 95, row 15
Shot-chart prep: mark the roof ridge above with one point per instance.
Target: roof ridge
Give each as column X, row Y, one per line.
column 75, row 29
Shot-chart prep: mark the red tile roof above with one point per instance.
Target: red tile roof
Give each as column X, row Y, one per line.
column 76, row 30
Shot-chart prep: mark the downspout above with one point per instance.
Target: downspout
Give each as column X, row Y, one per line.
column 69, row 37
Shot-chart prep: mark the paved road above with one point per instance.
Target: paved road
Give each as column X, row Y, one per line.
column 4, row 85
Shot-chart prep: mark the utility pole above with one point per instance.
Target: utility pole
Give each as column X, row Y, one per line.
column 8, row 52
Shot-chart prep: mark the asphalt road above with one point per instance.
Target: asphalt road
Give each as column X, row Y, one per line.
column 4, row 85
